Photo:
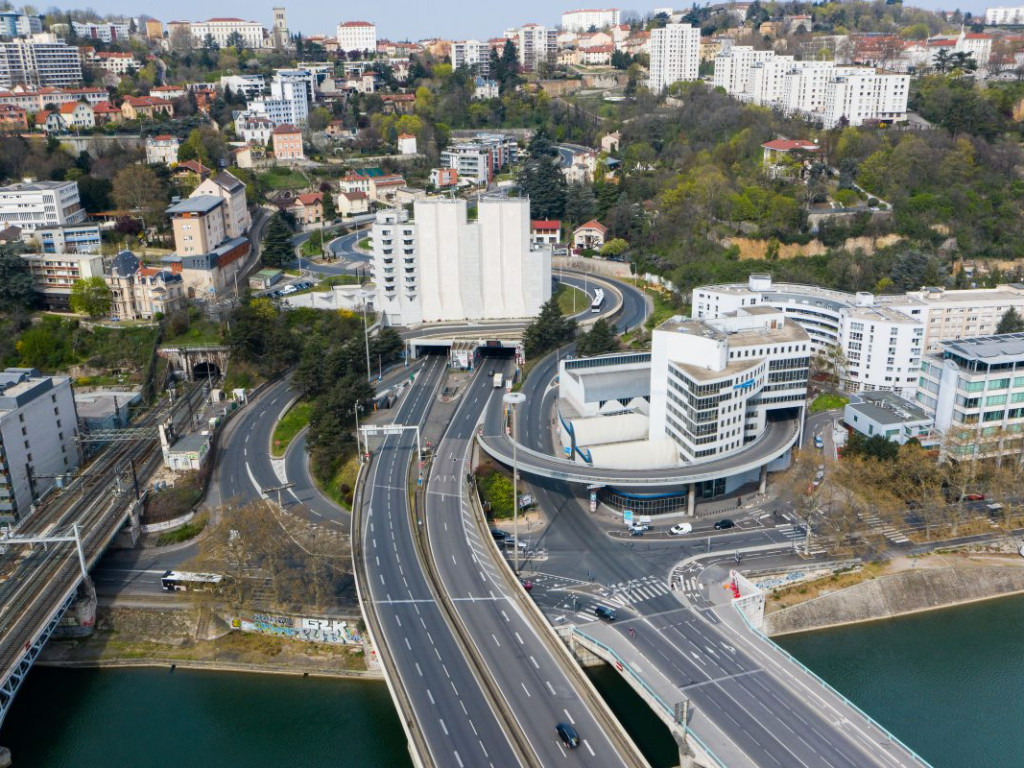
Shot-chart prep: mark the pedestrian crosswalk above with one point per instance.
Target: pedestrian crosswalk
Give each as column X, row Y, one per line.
column 625, row 594
column 887, row 530
column 798, row 535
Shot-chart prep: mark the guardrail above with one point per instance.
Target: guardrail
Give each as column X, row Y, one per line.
column 793, row 660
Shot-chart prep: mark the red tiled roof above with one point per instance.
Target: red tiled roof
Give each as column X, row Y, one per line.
column 546, row 224
column 104, row 107
column 311, row 198
column 195, row 166
column 356, row 24
column 353, row 196
column 593, row 224
column 786, row 145
column 285, row 128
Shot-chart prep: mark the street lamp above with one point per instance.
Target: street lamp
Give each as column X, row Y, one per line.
column 513, row 399
column 356, row 408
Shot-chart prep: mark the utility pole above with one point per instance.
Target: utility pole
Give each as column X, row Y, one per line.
column 366, row 336
column 513, row 399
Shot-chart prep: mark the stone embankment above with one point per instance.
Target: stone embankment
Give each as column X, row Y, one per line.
column 911, row 590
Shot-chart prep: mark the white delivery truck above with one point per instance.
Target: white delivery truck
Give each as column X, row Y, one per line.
column 497, row 381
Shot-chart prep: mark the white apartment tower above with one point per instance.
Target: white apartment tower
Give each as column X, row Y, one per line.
column 583, row 20
column 472, row 54
column 854, row 99
column 534, row 45
column 441, row 267
column 357, row 36
column 33, row 205
column 40, row 61
column 732, row 67
column 675, row 55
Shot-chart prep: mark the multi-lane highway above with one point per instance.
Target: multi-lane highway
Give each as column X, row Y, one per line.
column 526, row 668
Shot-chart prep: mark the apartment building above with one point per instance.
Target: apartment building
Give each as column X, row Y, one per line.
column 140, row 293
column 675, row 55
column 34, row 99
column 288, row 102
column 81, row 238
column 582, row 20
column 249, row 86
column 715, row 383
column 1004, row 15
column 39, row 61
column 357, row 36
column 882, row 337
column 442, row 267
column 38, row 426
column 105, row 31
column 288, row 143
column 35, row 204
column 535, row 45
column 206, row 256
column 146, row 108
column 236, row 209
column 13, row 24
column 864, row 97
column 162, row 149
column 54, row 275
column 974, row 390
column 198, row 224
column 115, row 61
column 472, row 54
column 732, row 67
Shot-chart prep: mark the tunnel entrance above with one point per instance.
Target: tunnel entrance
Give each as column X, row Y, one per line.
column 206, row 370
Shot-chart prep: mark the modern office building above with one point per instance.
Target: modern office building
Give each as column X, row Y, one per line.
column 35, row 204
column 288, row 102
column 583, row 20
column 38, row 426
column 891, row 416
column 78, row 238
column 715, row 383
column 358, row 36
column 41, row 61
column 883, row 338
column 974, row 390
column 442, row 267
column 675, row 55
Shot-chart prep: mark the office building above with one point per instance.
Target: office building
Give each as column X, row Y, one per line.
column 105, row 31
column 883, row 338
column 55, row 274
column 288, row 102
column 675, row 55
column 974, row 390
column 715, row 383
column 35, row 204
column 359, row 36
column 442, row 267
column 13, row 24
column 886, row 414
column 41, row 61
column 584, row 20
column 38, row 426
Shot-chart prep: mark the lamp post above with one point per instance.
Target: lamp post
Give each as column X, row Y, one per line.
column 513, row 399
column 356, row 408
column 366, row 337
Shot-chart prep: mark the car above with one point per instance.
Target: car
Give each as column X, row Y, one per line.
column 641, row 527
column 975, row 497
column 288, row 289
column 680, row 529
column 490, row 372
column 721, row 525
column 500, row 535
column 819, row 442
column 636, row 531
column 570, row 739
column 527, row 584
column 606, row 613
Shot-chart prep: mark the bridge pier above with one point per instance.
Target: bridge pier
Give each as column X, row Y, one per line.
column 691, row 500
column 764, row 480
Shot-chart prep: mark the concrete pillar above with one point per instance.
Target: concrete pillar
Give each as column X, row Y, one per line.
column 764, row 479
column 691, row 499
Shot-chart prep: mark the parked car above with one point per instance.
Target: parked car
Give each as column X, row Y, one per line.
column 975, row 497
column 721, row 525
column 500, row 535
column 606, row 613
column 819, row 442
column 680, row 529
column 642, row 527
column 570, row 739
column 288, row 289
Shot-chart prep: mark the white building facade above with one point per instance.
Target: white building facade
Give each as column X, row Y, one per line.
column 583, row 20
column 357, row 36
column 223, row 29
column 675, row 55
column 442, row 267
column 32, row 205
column 472, row 54
column 41, row 61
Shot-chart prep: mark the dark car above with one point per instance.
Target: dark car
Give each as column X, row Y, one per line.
column 570, row 739
column 606, row 613
column 721, row 525
column 499, row 535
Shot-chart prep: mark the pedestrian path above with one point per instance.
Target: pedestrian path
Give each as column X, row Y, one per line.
column 798, row 535
column 625, row 594
column 887, row 530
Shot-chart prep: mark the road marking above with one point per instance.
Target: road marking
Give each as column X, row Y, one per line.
column 528, row 694
column 550, row 687
column 407, row 644
column 504, row 615
column 520, row 639
column 418, row 669
column 430, row 696
column 535, row 664
column 569, row 717
column 589, row 748
column 496, row 640
column 456, row 752
column 445, row 727
column 398, row 619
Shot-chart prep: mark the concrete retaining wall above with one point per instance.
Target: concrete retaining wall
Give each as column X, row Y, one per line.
column 902, row 593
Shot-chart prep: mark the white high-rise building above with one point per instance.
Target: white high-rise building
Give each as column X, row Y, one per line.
column 357, row 36
column 41, row 61
column 675, row 55
column 766, row 80
column 441, row 267
column 583, row 20
column 14, row 24
column 33, row 205
column 472, row 54
column 732, row 67
column 853, row 99
column 534, row 45
column 288, row 103
column 997, row 16
column 107, row 31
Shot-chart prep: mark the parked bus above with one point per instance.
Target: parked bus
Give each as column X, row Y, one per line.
column 182, row 581
column 598, row 300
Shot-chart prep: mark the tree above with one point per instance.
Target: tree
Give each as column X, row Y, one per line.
column 550, row 329
column 614, row 247
column 91, row 297
column 236, row 41
column 832, row 363
column 138, row 189
column 580, row 204
column 1010, row 322
column 542, row 180
column 330, row 209
column 277, row 243
column 599, row 340
column 94, row 193
column 16, row 291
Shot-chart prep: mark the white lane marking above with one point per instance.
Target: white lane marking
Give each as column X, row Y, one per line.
column 535, row 664
column 589, row 748
column 529, row 695
column 445, row 727
column 496, row 640
column 407, row 645
column 456, row 752
column 430, row 696
column 569, row 717
column 418, row 669
column 550, row 687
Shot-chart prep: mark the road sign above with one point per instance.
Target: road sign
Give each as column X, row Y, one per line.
column 593, row 501
column 627, row 516
column 525, row 500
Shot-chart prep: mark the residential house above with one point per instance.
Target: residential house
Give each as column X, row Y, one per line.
column 610, row 142
column 141, row 293
column 589, row 236
column 115, row 61
column 383, row 189
column 336, row 130
column 352, row 203
column 12, row 118
column 146, row 108
column 407, row 144
column 243, row 156
column 595, row 56
column 782, row 155
column 444, row 178
column 254, row 128
column 162, row 149
column 485, row 89
column 355, row 182
column 308, row 209
column 545, row 232
column 288, row 143
column 169, row 92
column 105, row 112
column 190, row 173
column 398, row 103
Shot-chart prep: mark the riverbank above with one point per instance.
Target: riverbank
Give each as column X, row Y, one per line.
column 900, row 587
column 186, row 638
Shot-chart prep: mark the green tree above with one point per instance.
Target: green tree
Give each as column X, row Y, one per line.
column 387, row 344
column 542, row 180
column 550, row 329
column 16, row 291
column 1010, row 322
column 614, row 247
column 91, row 297
column 236, row 41
column 330, row 209
column 277, row 243
column 580, row 204
column 599, row 340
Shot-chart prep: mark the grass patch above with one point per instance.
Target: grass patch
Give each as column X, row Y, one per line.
column 664, row 307
column 186, row 532
column 174, row 501
column 342, row 486
column 365, row 244
column 200, row 332
column 566, row 295
column 328, row 282
column 283, row 178
column 313, row 246
column 293, row 422
column 828, row 402
column 240, row 375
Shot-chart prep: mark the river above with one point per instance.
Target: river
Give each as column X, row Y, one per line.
column 949, row 683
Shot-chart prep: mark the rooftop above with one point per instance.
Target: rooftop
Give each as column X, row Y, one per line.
column 888, row 408
column 1005, row 348
column 197, row 204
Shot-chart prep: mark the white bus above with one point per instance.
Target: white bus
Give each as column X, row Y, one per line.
column 181, row 581
column 598, row 300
